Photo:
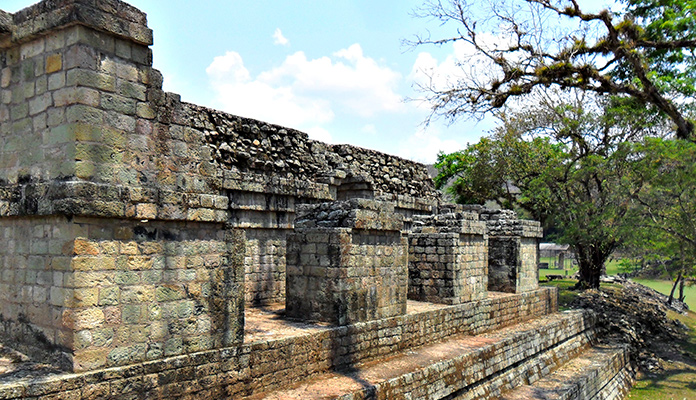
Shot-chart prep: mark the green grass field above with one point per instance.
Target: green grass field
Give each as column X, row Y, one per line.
column 664, row 287
column 678, row 379
column 613, row 267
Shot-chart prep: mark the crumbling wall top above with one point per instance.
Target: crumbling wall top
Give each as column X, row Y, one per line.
column 113, row 16
column 6, row 23
column 355, row 213
column 515, row 227
column 498, row 222
column 456, row 222
column 246, row 145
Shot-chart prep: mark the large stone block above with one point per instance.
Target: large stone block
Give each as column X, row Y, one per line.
column 346, row 263
column 448, row 260
column 513, row 248
column 120, row 282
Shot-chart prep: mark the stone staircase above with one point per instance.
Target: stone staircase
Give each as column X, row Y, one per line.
column 510, row 346
column 598, row 373
column 550, row 357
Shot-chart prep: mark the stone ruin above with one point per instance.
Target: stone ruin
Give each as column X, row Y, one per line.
column 140, row 233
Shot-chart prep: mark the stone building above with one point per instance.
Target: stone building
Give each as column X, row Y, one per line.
column 140, row 234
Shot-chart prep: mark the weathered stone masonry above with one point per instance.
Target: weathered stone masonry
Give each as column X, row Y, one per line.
column 513, row 248
column 95, row 152
column 448, row 258
column 136, row 228
column 347, row 263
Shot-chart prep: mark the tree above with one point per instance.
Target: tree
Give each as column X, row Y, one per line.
column 571, row 166
column 663, row 211
column 643, row 54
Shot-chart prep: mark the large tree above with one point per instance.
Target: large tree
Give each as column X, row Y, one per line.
column 643, row 53
column 569, row 165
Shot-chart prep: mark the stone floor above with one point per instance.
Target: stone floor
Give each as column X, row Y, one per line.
column 268, row 322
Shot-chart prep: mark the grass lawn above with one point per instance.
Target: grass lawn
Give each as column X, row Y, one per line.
column 665, row 287
column 565, row 295
column 678, row 380
column 613, row 267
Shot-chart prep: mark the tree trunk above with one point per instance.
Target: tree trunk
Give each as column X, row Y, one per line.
column 674, row 287
column 591, row 259
column 681, row 290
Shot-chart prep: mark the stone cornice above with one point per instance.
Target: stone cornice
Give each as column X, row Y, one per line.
column 111, row 16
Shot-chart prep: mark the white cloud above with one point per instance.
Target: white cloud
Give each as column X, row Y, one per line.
column 424, row 145
column 279, row 39
column 305, row 93
column 348, row 78
column 463, row 63
column 320, row 134
column 239, row 94
column 370, row 129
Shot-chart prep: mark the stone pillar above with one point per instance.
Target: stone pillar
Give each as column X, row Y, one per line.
column 115, row 245
column 512, row 252
column 448, row 258
column 346, row 263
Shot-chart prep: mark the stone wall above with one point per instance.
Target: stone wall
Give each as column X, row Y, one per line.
column 448, row 259
column 270, row 364
column 265, row 266
column 513, row 251
column 35, row 259
column 93, row 293
column 88, row 94
column 87, row 132
column 151, row 221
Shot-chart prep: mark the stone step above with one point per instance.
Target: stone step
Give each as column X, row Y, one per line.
column 462, row 367
column 602, row 373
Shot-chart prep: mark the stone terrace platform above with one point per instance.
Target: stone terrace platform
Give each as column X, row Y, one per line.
column 476, row 350
column 278, row 353
column 262, row 324
column 269, row 322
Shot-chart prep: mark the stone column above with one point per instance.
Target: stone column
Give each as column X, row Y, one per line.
column 512, row 252
column 115, row 246
column 346, row 263
column 448, row 258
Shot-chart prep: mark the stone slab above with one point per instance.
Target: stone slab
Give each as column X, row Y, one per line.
column 462, row 367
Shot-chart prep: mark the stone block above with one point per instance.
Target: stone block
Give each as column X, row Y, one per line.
column 513, row 252
column 448, row 258
column 363, row 275
column 54, row 63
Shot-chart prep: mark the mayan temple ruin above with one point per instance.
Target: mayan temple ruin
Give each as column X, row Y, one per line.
column 155, row 249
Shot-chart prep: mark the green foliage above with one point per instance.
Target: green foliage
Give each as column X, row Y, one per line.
column 641, row 52
column 626, row 265
column 664, row 209
column 666, row 21
column 570, row 169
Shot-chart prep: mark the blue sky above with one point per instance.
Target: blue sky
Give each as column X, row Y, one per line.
column 335, row 69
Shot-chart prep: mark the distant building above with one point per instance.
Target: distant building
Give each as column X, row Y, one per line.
column 560, row 252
